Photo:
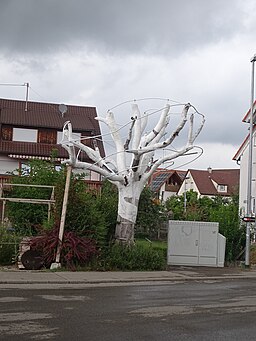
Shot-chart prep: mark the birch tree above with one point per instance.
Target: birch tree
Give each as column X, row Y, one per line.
column 135, row 158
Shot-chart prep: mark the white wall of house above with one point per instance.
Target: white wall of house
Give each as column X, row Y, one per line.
column 164, row 195
column 7, row 164
column 244, row 180
column 95, row 176
column 188, row 184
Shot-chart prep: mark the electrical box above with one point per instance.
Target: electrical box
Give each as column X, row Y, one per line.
column 195, row 243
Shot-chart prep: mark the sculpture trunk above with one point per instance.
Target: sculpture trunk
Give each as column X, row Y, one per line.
column 128, row 201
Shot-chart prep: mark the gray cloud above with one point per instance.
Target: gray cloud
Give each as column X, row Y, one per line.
column 163, row 26
column 101, row 53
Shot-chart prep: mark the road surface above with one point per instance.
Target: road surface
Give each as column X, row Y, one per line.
column 191, row 310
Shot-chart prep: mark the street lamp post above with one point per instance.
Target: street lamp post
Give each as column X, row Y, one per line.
column 185, row 194
column 249, row 184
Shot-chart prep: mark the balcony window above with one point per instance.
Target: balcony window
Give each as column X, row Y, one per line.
column 24, row 135
column 6, row 133
column 47, row 136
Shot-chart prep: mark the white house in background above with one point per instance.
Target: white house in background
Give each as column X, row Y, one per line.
column 241, row 157
column 211, row 182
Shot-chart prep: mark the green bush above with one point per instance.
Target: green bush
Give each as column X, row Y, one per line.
column 134, row 258
column 26, row 218
column 9, row 245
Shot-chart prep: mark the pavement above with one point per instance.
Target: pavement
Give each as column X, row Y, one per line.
column 174, row 273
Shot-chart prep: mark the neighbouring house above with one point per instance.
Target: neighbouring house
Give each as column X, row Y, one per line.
column 166, row 183
column 241, row 157
column 211, row 182
column 33, row 130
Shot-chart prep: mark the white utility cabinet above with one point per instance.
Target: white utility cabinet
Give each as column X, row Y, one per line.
column 195, row 243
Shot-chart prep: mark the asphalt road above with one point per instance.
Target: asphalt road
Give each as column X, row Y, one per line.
column 192, row 310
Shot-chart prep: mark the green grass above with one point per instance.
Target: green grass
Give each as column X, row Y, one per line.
column 155, row 244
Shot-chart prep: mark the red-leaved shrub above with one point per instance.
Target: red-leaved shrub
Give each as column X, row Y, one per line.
column 75, row 250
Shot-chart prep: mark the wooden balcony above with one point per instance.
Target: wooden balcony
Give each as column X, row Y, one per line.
column 172, row 188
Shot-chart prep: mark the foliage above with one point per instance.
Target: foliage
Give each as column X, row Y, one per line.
column 8, row 246
column 229, row 225
column 134, row 258
column 25, row 217
column 75, row 250
column 83, row 215
column 218, row 209
column 156, row 244
column 107, row 203
column 151, row 215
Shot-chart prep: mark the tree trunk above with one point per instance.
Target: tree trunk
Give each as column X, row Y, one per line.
column 128, row 200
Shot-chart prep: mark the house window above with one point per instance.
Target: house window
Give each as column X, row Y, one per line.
column 24, row 168
column 47, row 136
column 24, row 135
column 6, row 133
column 222, row 188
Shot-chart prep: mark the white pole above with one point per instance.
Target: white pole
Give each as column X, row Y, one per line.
column 249, row 184
column 185, row 197
column 63, row 217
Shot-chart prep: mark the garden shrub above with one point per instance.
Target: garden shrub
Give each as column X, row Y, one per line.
column 135, row 258
column 26, row 218
column 75, row 250
column 9, row 245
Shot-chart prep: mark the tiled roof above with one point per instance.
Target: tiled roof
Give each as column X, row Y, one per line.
column 227, row 177
column 47, row 115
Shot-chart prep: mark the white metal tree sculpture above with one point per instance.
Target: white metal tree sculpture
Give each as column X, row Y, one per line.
column 134, row 162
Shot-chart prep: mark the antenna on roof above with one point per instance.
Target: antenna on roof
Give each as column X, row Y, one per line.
column 24, row 84
column 63, row 108
column 26, row 105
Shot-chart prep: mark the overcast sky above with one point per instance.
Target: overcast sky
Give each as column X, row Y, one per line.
column 103, row 52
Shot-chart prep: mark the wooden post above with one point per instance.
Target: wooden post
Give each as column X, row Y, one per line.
column 63, row 217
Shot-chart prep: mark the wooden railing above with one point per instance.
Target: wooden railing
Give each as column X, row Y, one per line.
column 172, row 188
column 5, row 178
column 92, row 184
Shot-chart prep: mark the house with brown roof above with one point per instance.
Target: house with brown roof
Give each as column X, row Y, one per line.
column 241, row 157
column 211, row 182
column 33, row 130
column 166, row 182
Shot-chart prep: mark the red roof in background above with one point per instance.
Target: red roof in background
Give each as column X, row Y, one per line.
column 204, row 180
column 47, row 115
